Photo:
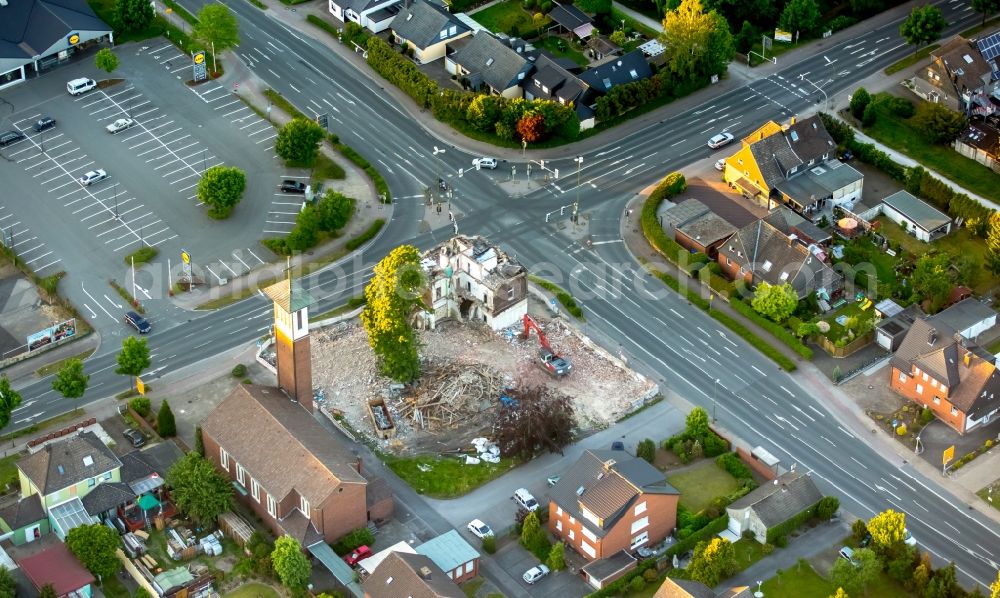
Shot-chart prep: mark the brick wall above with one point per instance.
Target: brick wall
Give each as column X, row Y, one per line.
column 756, row 465
column 660, row 510
column 908, row 387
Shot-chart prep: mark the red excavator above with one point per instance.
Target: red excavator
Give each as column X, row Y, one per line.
column 555, row 365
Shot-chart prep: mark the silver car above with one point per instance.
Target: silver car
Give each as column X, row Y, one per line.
column 120, row 125
column 720, row 140
column 93, row 176
column 534, row 574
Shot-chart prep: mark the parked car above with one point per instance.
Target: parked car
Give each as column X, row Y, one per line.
column 78, row 86
column 135, row 437
column 358, row 554
column 525, row 499
column 618, row 445
column 908, row 538
column 10, row 137
column 93, row 176
column 290, row 186
column 120, row 125
column 720, row 140
column 848, row 553
column 535, row 573
column 552, row 480
column 138, row 322
column 45, row 122
column 485, row 162
column 479, row 529
column 720, row 165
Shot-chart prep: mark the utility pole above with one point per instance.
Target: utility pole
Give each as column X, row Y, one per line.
column 576, row 204
column 715, row 396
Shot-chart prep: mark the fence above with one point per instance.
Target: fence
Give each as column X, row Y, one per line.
column 60, row 433
column 852, row 347
column 870, row 363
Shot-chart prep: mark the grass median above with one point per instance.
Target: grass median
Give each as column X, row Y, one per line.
column 446, row 477
column 564, row 298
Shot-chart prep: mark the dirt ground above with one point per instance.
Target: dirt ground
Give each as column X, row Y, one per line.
column 469, row 365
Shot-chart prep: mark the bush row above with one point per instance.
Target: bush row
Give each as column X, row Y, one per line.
column 562, row 296
column 662, row 87
column 783, row 529
column 366, row 236
column 735, row 466
column 381, row 187
column 777, row 330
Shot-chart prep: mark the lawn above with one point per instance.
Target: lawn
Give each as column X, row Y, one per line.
column 701, row 484
column 911, row 60
column 55, row 367
column 851, row 310
column 987, row 495
column 748, row 552
column 802, row 581
column 8, row 470
column 253, row 590
column 994, row 347
column 508, row 17
column 558, row 47
column 446, row 477
column 959, row 242
column 906, row 138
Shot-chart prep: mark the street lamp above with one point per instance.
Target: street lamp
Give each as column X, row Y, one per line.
column 116, row 200
column 826, row 98
column 524, row 147
column 715, row 396
column 576, row 204
column 437, row 151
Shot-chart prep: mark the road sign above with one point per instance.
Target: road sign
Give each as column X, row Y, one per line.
column 140, row 386
column 948, row 455
column 185, row 257
column 323, row 120
column 200, row 68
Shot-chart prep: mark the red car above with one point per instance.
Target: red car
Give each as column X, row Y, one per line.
column 358, row 554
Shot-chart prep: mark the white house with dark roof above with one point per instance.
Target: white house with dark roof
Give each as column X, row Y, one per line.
column 490, row 63
column 958, row 77
column 550, row 81
column 773, row 504
column 374, row 15
column 427, row 28
column 628, row 68
column 921, row 219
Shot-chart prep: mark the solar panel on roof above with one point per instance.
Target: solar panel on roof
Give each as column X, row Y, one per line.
column 989, row 46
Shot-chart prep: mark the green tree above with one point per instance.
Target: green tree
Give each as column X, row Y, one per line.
column 298, row 141
column 134, row 358
column 95, row 545
column 713, row 561
column 557, row 557
column 47, row 591
column 531, row 529
column 8, row 585
column 747, row 38
column 923, row 26
column 133, row 15
column 943, row 583
column 334, row 211
column 70, row 381
column 306, row 231
column 800, row 16
column 700, row 42
column 483, row 112
column 888, row 530
column 221, row 187
column 986, row 8
column 939, row 124
column 290, row 563
column 696, row 424
column 993, row 243
column 198, row 489
column 857, row 575
column 827, row 507
column 776, row 302
column 9, row 400
column 106, row 60
column 646, row 450
column 859, row 101
column 217, row 29
column 391, row 296
column 618, row 37
column 166, row 426
column 931, row 278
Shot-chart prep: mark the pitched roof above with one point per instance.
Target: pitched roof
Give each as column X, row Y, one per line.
column 920, row 212
column 569, row 16
column 448, row 551
column 789, row 147
column 698, row 222
column 289, row 295
column 964, row 314
column 300, row 527
column 107, row 496
column 422, row 23
column 301, row 455
column 493, row 61
column 61, row 464
column 628, row 68
column 930, row 347
column 964, row 65
column 156, row 458
column 606, row 483
column 776, row 258
column 683, row 588
column 783, row 498
column 30, row 27
column 553, row 82
column 56, row 566
column 24, row 512
column 411, row 576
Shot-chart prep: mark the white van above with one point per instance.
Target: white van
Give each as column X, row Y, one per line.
column 524, row 498
column 78, row 86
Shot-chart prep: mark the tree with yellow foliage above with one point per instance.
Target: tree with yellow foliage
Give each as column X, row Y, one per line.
column 840, row 594
column 392, row 295
column 995, row 587
column 888, row 530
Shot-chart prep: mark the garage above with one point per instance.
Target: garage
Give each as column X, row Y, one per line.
column 36, row 35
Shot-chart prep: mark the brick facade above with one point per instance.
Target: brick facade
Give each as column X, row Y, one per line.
column 294, row 366
column 660, row 510
column 924, row 390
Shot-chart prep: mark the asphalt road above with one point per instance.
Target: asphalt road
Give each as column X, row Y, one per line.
column 662, row 335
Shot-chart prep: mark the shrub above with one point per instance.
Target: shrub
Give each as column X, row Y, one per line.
column 732, row 464
column 781, row 541
column 239, row 371
column 859, row 529
column 860, row 100
column 715, row 445
column 490, row 544
column 359, row 537
column 842, row 22
column 650, row 575
column 901, row 430
column 637, row 584
column 166, row 426
column 870, row 116
column 827, row 507
column 767, row 548
column 646, row 450
column 672, row 185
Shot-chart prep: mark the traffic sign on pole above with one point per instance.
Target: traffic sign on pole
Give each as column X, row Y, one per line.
column 948, row 455
column 140, row 386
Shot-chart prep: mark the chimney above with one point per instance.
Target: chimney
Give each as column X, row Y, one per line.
column 931, row 336
column 967, row 359
column 425, row 573
column 791, row 239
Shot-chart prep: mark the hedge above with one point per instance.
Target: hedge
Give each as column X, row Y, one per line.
column 366, row 236
column 565, row 298
column 777, row 330
column 381, row 187
column 670, row 186
column 783, row 529
column 714, row 527
column 734, row 466
column 618, row 586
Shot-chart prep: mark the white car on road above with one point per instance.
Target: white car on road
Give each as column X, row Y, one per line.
column 479, row 529
column 720, row 140
column 93, row 176
column 120, row 125
column 535, row 573
column 485, row 162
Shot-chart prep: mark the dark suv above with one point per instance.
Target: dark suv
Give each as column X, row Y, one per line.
column 135, row 437
column 45, row 122
column 138, row 322
column 10, row 137
column 290, row 186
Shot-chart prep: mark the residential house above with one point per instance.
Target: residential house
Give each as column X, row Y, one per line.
column 980, row 142
column 793, row 165
column 918, row 217
column 369, row 565
column 373, row 15
column 570, row 19
column 24, row 521
column 696, row 227
column 686, row 588
column 957, row 76
column 938, row 369
column 307, row 484
column 891, row 331
column 968, row 317
column 409, row 575
column 605, row 571
column 64, row 472
column 490, row 63
column 627, row 68
column 473, row 280
column 36, row 35
column 791, row 223
column 453, row 555
column 56, row 566
column 610, row 501
column 759, row 252
column 773, row 504
column 427, row 28
column 552, row 81
column 140, row 496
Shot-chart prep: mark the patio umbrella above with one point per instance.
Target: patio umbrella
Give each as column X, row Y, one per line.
column 148, row 501
column 847, row 224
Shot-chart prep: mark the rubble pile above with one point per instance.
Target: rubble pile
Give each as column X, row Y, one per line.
column 450, row 393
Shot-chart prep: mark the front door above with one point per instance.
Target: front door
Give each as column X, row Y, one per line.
column 32, row 533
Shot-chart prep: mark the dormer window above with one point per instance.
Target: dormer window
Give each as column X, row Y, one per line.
column 453, row 30
column 767, row 266
column 489, row 62
column 444, row 34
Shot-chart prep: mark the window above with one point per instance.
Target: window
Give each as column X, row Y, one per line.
column 437, row 292
column 271, row 506
column 572, row 519
column 640, row 509
column 933, row 383
column 558, row 511
column 298, row 317
column 559, row 524
column 91, row 482
column 452, row 30
column 640, row 524
column 937, row 400
column 902, row 377
column 304, row 507
column 107, row 476
column 444, row 34
column 640, row 540
column 469, row 567
column 588, row 549
column 925, row 376
column 590, row 517
column 241, row 475
column 954, row 411
column 255, row 489
column 223, row 458
column 729, row 262
column 588, row 534
column 572, row 534
column 920, row 389
column 510, row 293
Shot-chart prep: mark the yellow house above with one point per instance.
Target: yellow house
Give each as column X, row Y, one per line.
column 427, row 29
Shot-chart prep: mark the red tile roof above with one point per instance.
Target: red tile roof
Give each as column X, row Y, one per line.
column 56, row 566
